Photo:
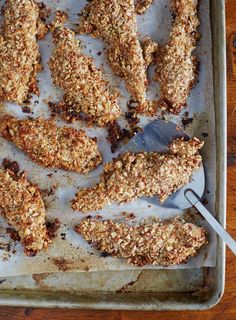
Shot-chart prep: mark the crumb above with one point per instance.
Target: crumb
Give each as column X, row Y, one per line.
column 13, row 234
column 52, row 228
column 26, row 109
column 128, row 216
column 186, row 120
column 11, row 165
column 63, row 236
column 204, row 134
column 150, row 49
column 116, row 135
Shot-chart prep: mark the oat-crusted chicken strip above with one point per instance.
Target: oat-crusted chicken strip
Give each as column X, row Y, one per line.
column 86, row 91
column 158, row 243
column 135, row 175
column 176, row 67
column 114, row 21
column 51, row 146
column 22, row 205
column 19, row 51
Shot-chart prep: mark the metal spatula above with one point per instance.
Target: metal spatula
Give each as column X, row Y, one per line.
column 156, row 136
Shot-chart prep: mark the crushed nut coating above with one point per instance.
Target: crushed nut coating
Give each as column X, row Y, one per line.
column 22, row 205
column 19, row 51
column 115, row 23
column 52, row 146
column 141, row 6
column 176, row 67
column 158, row 243
column 85, row 89
column 150, row 49
column 135, row 175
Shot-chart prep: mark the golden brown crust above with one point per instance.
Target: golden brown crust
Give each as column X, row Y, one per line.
column 51, row 146
column 22, row 205
column 85, row 89
column 142, row 174
column 176, row 67
column 19, row 51
column 150, row 49
column 141, row 6
column 115, row 23
column 158, row 243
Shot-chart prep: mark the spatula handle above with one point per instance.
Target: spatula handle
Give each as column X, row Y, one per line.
column 193, row 198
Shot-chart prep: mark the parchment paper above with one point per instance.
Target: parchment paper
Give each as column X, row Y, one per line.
column 73, row 253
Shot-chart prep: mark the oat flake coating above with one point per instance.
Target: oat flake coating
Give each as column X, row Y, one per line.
column 83, row 84
column 176, row 67
column 150, row 49
column 142, row 6
column 114, row 21
column 19, row 51
column 135, row 175
column 158, row 243
column 51, row 146
column 22, row 205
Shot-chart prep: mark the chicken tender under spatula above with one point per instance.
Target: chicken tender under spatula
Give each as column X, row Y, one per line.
column 135, row 175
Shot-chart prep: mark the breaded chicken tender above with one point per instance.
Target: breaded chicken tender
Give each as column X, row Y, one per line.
column 22, row 205
column 176, row 67
column 19, row 51
column 115, row 23
column 85, row 90
column 51, row 146
column 159, row 243
column 135, row 175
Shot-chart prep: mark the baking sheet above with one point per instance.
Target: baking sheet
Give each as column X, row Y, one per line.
column 74, row 254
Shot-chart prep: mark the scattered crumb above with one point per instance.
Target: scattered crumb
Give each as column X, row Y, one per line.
column 62, row 264
column 26, row 109
column 128, row 216
column 186, row 120
column 52, row 228
column 11, row 165
column 116, row 135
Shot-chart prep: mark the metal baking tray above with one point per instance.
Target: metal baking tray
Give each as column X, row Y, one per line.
column 143, row 289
